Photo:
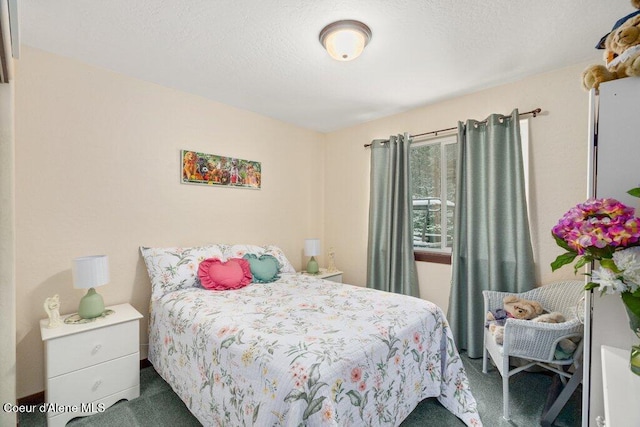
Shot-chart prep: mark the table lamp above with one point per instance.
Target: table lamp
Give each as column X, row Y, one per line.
column 312, row 248
column 88, row 273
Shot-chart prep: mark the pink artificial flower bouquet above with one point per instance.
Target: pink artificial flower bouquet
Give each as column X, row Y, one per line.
column 607, row 231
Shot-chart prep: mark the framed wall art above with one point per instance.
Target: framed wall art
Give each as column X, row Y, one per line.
column 216, row 170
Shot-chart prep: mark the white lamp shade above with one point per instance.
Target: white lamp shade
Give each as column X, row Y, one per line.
column 312, row 247
column 345, row 45
column 345, row 40
column 90, row 271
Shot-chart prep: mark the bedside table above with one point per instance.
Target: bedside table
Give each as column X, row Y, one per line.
column 91, row 366
column 334, row 276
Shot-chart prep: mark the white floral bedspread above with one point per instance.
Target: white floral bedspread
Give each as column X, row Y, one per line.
column 304, row 351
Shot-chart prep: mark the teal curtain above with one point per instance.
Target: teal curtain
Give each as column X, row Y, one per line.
column 390, row 262
column 492, row 244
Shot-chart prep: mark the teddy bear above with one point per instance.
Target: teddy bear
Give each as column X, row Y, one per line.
column 513, row 307
column 519, row 308
column 621, row 52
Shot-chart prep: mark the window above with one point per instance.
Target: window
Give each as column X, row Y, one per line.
column 433, row 180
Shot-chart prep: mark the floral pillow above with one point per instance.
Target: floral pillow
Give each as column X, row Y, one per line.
column 171, row 269
column 221, row 276
column 264, row 268
column 239, row 251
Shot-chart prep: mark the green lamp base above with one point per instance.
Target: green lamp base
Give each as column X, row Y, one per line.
column 91, row 305
column 312, row 266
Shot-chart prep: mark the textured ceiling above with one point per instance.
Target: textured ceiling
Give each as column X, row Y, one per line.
column 264, row 55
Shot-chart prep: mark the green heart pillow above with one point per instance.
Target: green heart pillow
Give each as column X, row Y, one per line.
column 264, row 269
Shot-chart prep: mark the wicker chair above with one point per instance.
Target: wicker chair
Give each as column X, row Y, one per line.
column 533, row 341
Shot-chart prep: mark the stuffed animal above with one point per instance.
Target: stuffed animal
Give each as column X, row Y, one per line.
column 518, row 308
column 513, row 307
column 621, row 52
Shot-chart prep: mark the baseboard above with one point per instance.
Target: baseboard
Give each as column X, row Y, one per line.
column 38, row 398
column 33, row 399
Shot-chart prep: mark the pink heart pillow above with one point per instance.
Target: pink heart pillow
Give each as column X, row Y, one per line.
column 220, row 276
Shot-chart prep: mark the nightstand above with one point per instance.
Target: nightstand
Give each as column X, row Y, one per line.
column 334, row 276
column 91, row 366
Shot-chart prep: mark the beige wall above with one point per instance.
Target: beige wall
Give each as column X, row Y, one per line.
column 98, row 169
column 558, row 150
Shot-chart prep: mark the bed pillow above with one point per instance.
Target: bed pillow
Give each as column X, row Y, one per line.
column 239, row 251
column 221, row 276
column 171, row 269
column 264, row 268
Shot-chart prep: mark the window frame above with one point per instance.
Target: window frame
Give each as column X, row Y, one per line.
column 432, row 257
column 437, row 255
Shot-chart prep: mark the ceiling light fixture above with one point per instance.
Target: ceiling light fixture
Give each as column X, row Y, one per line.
column 345, row 40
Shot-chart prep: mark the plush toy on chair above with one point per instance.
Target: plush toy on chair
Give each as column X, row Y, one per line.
column 518, row 308
column 621, row 52
column 513, row 307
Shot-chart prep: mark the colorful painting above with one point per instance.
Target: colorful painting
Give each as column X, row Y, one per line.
column 211, row 169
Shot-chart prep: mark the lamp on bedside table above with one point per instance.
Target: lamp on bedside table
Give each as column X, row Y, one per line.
column 312, row 248
column 90, row 272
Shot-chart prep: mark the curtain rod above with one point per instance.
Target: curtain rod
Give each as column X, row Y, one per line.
column 534, row 113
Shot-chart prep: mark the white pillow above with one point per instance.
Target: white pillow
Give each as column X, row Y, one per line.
column 171, row 269
column 238, row 251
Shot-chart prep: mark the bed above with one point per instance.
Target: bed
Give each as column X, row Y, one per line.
column 297, row 350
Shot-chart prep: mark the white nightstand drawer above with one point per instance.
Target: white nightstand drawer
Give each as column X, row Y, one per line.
column 93, row 383
column 73, row 352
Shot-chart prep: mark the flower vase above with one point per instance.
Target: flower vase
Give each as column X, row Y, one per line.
column 634, row 324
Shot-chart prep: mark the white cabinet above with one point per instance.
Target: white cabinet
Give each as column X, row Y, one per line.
column 614, row 169
column 621, row 389
column 91, row 366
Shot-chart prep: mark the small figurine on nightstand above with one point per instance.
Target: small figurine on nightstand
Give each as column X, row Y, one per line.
column 52, row 307
column 332, row 261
